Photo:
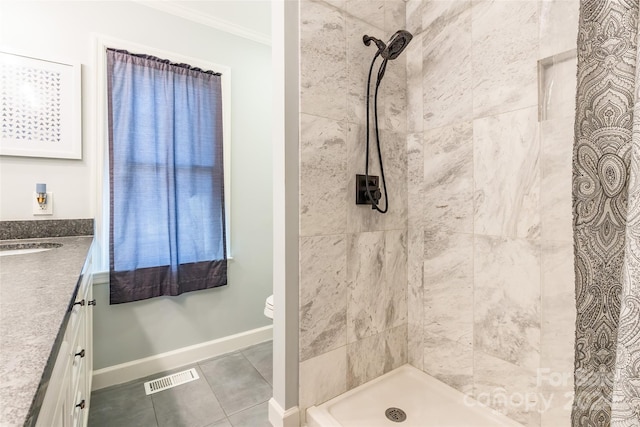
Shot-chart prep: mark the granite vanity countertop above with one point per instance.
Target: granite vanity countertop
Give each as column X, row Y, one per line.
column 36, row 290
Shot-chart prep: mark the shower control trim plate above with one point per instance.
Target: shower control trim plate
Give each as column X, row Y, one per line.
column 362, row 198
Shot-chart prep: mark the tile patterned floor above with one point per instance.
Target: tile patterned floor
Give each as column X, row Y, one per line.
column 233, row 391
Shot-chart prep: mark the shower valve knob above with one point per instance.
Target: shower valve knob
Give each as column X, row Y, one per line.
column 362, row 195
column 375, row 194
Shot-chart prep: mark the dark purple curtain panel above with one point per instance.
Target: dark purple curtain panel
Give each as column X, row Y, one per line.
column 166, row 172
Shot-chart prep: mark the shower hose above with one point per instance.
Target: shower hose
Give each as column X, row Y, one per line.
column 381, row 70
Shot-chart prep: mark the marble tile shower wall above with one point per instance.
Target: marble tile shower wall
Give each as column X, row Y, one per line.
column 490, row 261
column 353, row 261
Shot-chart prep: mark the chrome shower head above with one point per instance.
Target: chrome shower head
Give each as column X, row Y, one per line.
column 396, row 44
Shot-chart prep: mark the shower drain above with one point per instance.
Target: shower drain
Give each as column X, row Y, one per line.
column 396, row 415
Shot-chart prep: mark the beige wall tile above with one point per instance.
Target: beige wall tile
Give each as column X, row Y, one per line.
column 394, row 16
column 370, row 11
column 415, row 249
column 415, row 98
column 447, row 66
column 359, row 59
column 556, row 408
column 394, row 155
column 394, row 92
column 507, row 299
column 395, row 242
column 506, row 158
column 414, row 16
column 323, row 71
column 365, row 360
column 377, row 277
column 507, row 388
column 323, row 294
column 322, row 378
column 505, row 54
column 415, row 180
column 558, row 26
column 368, row 298
column 375, row 355
column 449, row 361
column 448, row 178
column 558, row 315
column 556, row 213
column 448, row 286
column 323, row 157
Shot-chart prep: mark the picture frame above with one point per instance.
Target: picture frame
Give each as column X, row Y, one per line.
column 40, row 107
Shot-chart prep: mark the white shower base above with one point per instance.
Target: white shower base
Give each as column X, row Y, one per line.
column 426, row 401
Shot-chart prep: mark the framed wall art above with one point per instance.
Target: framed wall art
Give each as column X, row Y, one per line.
column 40, row 108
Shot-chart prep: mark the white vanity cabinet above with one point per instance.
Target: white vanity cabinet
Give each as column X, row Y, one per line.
column 66, row 402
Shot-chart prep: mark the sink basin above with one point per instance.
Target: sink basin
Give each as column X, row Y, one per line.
column 26, row 248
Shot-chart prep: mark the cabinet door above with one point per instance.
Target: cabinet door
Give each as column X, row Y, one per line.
column 77, row 377
column 85, row 392
column 62, row 416
column 87, row 366
column 55, row 410
column 88, row 330
column 80, row 410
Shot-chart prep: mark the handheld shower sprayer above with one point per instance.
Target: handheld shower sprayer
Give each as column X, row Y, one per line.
column 394, row 47
column 396, row 44
column 367, row 189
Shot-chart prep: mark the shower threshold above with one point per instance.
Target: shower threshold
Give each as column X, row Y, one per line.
column 425, row 401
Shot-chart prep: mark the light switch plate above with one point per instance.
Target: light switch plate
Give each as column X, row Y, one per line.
column 46, row 209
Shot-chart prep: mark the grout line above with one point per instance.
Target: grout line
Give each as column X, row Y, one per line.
column 352, row 232
column 348, row 14
column 501, row 113
column 213, row 391
column 473, row 226
column 328, row 351
column 474, row 118
column 255, row 367
column 250, row 407
column 155, row 414
column 382, row 126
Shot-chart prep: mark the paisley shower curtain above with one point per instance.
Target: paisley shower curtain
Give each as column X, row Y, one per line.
column 606, row 211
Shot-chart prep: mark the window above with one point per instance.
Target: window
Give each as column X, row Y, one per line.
column 166, row 173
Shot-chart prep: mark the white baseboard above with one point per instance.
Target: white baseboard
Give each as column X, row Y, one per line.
column 101, row 278
column 278, row 417
column 140, row 368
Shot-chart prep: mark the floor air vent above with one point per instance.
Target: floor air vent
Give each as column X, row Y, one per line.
column 170, row 381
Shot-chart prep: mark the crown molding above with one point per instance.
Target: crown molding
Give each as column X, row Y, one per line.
column 219, row 24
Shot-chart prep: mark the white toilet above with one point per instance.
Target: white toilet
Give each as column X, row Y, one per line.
column 268, row 307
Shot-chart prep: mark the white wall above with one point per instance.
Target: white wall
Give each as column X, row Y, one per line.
column 28, row 30
column 62, row 31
